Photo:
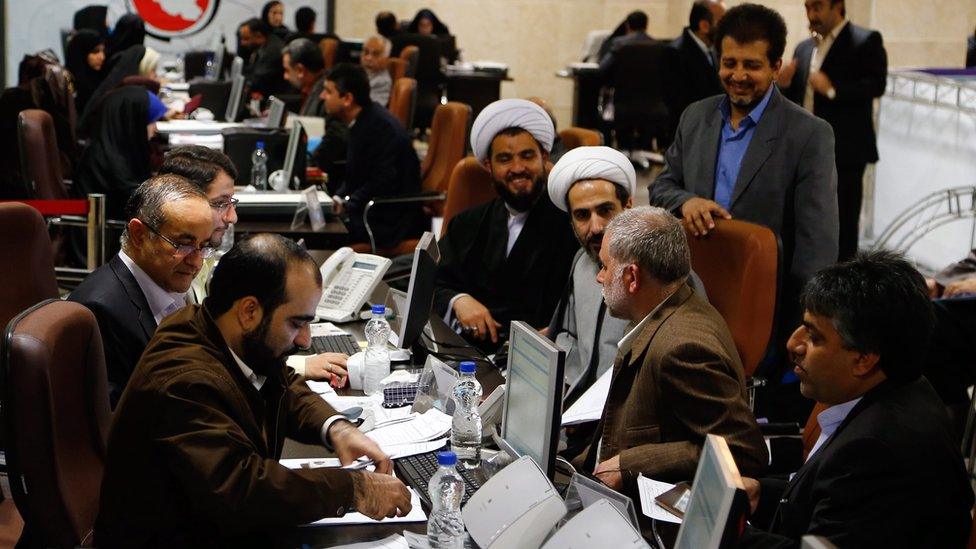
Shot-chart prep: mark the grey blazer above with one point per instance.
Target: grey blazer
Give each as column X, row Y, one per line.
column 787, row 182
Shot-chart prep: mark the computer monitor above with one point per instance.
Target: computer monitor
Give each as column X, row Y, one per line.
column 291, row 151
column 276, row 113
column 420, row 291
column 718, row 505
column 237, row 67
column 236, row 96
column 533, row 397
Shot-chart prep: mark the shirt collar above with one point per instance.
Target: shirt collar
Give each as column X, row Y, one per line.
column 628, row 340
column 754, row 116
column 840, row 26
column 256, row 380
column 157, row 298
column 832, row 417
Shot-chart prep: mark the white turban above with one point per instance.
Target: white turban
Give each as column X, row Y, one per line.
column 584, row 163
column 510, row 113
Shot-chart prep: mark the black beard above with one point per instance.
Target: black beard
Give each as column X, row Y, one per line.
column 520, row 202
column 258, row 355
column 595, row 240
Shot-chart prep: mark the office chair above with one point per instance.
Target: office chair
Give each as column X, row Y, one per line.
column 403, row 101
column 56, row 416
column 410, row 54
column 640, row 113
column 397, row 68
column 430, row 78
column 329, row 47
column 52, row 93
column 580, row 137
column 28, row 267
column 470, row 185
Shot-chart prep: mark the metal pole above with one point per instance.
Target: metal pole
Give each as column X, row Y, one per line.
column 96, row 230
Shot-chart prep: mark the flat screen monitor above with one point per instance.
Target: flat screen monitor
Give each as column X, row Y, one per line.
column 533, row 397
column 420, row 291
column 294, row 138
column 234, row 102
column 718, row 500
column 276, row 113
column 237, row 67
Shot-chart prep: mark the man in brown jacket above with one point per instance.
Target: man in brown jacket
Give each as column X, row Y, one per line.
column 677, row 375
column 193, row 452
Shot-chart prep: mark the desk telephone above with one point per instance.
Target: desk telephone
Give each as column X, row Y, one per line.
column 349, row 279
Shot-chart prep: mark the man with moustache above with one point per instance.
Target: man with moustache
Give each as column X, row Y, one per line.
column 305, row 71
column 508, row 259
column 754, row 155
column 677, row 376
column 694, row 70
column 164, row 246
column 192, row 458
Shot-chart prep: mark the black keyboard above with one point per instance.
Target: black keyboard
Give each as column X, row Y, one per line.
column 416, row 471
column 343, row 343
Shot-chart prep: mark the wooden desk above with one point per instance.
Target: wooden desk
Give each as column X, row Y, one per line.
column 476, row 88
column 586, row 95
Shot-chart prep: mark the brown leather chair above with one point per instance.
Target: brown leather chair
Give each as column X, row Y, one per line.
column 811, row 431
column 738, row 263
column 56, row 415
column 53, row 93
column 470, row 186
column 397, row 68
column 410, row 54
column 27, row 270
column 448, row 137
column 39, row 154
column 403, row 101
column 329, row 47
column 580, row 137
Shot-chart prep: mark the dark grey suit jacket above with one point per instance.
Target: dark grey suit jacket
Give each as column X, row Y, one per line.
column 787, row 181
column 124, row 319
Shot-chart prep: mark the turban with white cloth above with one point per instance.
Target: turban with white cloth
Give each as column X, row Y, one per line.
column 510, row 113
column 584, row 163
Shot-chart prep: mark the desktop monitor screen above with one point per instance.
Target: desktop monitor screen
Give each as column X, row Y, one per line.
column 236, row 96
column 718, row 500
column 533, row 397
column 294, row 138
column 420, row 292
column 276, row 113
column 236, row 67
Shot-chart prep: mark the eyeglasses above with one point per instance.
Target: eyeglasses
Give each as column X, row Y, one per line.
column 182, row 250
column 224, row 204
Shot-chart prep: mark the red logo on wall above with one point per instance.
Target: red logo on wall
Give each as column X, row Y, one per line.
column 171, row 18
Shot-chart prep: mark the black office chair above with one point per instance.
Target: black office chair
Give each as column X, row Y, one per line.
column 430, row 78
column 639, row 78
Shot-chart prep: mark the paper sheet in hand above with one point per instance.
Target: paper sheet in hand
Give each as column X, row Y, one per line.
column 650, row 489
column 589, row 406
column 395, row 541
column 416, row 514
column 427, row 426
column 310, row 463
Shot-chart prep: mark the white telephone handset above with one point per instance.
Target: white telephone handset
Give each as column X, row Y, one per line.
column 349, row 279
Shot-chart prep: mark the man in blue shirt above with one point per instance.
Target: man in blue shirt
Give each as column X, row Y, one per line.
column 756, row 156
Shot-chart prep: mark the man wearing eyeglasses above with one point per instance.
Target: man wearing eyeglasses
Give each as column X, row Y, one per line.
column 164, row 245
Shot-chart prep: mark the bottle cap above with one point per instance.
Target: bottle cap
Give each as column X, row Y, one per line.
column 379, row 309
column 260, row 145
column 446, row 459
column 467, row 367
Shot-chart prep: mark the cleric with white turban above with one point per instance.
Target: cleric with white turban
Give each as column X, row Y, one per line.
column 510, row 113
column 587, row 163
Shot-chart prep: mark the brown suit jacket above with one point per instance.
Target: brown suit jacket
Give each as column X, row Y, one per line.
column 194, row 447
column 680, row 380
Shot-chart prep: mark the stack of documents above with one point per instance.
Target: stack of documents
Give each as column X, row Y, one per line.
column 589, row 406
column 430, row 425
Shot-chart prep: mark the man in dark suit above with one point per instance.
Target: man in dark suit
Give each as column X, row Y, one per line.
column 164, row 246
column 694, row 65
column 677, row 376
column 508, row 259
column 753, row 155
column 263, row 72
column 636, row 23
column 886, row 470
column 380, row 160
column 836, row 75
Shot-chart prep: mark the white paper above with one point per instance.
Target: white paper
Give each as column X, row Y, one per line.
column 320, row 387
column 310, row 463
column 650, row 489
column 321, row 329
column 589, row 406
column 416, row 514
column 430, row 425
column 215, row 141
column 398, row 451
column 395, row 541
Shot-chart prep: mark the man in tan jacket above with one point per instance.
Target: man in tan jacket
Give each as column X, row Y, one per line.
column 194, row 448
column 677, row 375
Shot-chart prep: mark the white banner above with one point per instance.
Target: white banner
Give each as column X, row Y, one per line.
column 34, row 25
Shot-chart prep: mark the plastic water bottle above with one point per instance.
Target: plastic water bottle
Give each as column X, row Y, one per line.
column 445, row 527
column 210, row 69
column 466, row 425
column 377, row 364
column 259, row 167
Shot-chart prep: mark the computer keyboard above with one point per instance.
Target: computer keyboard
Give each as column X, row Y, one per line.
column 343, row 343
column 417, row 470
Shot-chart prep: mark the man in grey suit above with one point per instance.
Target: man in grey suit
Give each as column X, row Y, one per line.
column 753, row 155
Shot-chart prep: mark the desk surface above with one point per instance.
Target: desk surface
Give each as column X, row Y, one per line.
column 334, row 235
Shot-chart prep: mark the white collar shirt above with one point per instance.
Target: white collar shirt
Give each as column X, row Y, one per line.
column 161, row 302
column 817, row 57
column 829, row 420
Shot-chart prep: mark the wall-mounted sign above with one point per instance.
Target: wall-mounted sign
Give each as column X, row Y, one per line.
column 171, row 18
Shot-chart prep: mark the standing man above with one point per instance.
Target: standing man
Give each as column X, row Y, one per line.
column 836, row 75
column 694, row 72
column 677, row 376
column 508, row 259
column 164, row 245
column 885, row 438
column 376, row 53
column 636, row 24
column 192, row 458
column 753, row 155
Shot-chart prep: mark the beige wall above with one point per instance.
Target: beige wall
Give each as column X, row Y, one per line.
column 536, row 38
